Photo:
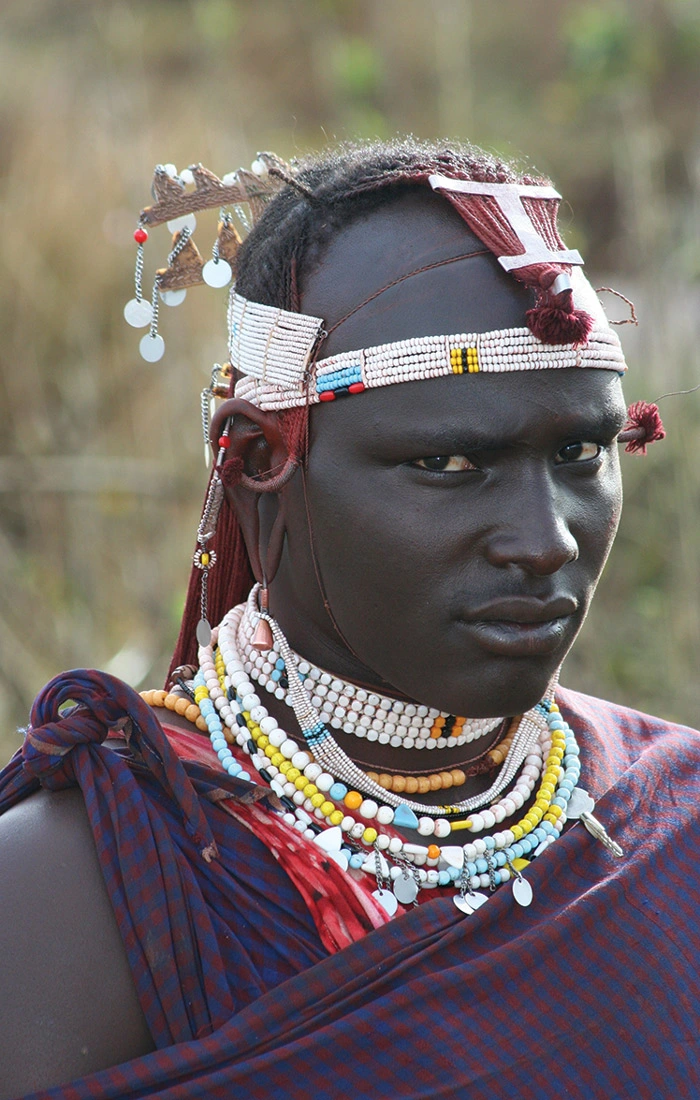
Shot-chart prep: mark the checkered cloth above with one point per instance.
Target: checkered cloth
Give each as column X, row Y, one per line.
column 591, row 992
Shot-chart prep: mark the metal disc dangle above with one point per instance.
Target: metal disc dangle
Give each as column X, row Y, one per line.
column 579, row 803
column 187, row 221
column 405, row 889
column 152, row 348
column 203, row 632
column 217, row 273
column 172, row 297
column 387, row 900
column 137, row 313
column 522, row 891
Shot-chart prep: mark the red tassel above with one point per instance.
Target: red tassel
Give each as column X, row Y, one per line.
column 554, row 325
column 644, row 425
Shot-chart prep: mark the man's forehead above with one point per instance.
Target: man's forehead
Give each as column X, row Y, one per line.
column 402, row 241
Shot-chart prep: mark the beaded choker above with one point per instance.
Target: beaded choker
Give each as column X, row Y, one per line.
column 343, row 706
column 360, row 832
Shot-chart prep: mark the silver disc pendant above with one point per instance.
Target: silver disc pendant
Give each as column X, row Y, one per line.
column 217, row 273
column 187, row 221
column 405, row 889
column 522, row 891
column 152, row 347
column 172, row 297
column 387, row 900
column 579, row 803
column 463, row 905
column 137, row 313
column 203, row 633
column 476, row 900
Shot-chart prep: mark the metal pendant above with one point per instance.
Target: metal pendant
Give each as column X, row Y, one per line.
column 203, row 633
column 405, row 889
column 579, row 803
column 138, row 313
column 387, row 900
column 522, row 891
column 463, row 905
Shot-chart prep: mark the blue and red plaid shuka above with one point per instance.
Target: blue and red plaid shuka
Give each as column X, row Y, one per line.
column 591, row 992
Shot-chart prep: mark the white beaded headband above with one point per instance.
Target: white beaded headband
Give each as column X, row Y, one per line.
column 273, row 350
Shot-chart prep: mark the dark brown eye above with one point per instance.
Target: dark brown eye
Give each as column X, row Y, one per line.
column 445, row 463
column 578, row 452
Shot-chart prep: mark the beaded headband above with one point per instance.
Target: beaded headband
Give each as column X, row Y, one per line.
column 273, row 351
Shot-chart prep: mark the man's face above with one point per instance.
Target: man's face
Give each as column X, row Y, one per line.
column 460, row 525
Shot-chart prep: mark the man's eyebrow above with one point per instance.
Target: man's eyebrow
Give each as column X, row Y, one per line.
column 443, row 438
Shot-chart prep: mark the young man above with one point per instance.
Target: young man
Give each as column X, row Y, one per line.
column 397, row 867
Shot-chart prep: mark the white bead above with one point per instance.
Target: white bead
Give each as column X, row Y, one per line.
column 288, row 748
column 368, row 808
column 426, row 826
column 289, row 789
column 250, row 702
column 431, row 878
column 347, row 823
column 477, row 823
column 395, row 845
column 298, row 798
column 442, row 828
column 480, row 845
column 357, row 830
column 324, row 782
column 385, row 815
column 382, row 842
column 488, row 819
column 300, row 760
column 312, row 772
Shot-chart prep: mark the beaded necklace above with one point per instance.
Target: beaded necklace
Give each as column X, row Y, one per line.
column 359, row 832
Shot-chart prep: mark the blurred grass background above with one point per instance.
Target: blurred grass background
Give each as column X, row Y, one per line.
column 101, row 471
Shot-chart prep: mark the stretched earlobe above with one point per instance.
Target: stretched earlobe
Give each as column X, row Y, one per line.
column 258, row 462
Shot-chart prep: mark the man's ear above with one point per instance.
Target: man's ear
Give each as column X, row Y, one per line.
column 256, row 466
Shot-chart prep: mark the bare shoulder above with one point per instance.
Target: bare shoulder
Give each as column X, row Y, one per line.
column 68, row 1005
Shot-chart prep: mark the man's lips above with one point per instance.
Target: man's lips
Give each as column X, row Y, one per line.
column 521, row 626
column 522, row 609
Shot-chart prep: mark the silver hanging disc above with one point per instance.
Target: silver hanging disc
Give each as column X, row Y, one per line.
column 476, row 899
column 203, row 633
column 172, row 297
column 187, row 221
column 463, row 905
column 387, row 900
column 152, row 347
column 217, row 273
column 579, row 803
column 137, row 313
column 405, row 889
column 522, row 891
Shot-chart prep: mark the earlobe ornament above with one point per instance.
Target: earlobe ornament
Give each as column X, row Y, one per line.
column 262, row 639
column 205, row 558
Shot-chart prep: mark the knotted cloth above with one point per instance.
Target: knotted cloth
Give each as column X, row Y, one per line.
column 591, row 991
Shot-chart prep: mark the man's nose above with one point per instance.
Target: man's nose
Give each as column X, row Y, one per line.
column 535, row 531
